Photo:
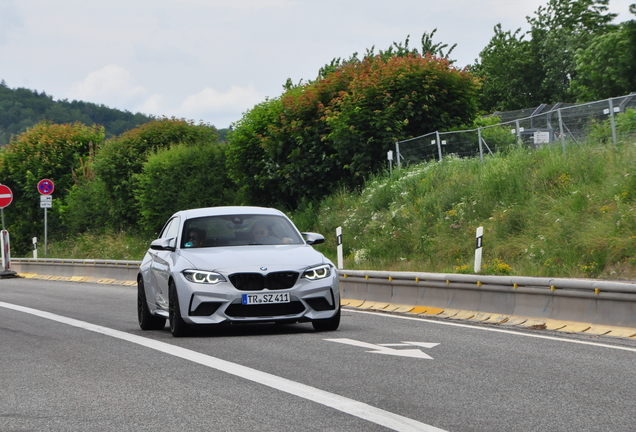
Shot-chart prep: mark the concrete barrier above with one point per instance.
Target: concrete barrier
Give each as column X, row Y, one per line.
column 125, row 271
column 596, row 302
column 602, row 303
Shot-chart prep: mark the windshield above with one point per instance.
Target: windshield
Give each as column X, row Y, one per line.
column 238, row 230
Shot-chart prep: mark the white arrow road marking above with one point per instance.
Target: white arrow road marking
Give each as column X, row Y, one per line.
column 384, row 348
column 423, row 344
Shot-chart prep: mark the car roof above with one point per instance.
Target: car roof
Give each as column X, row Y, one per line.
column 227, row 210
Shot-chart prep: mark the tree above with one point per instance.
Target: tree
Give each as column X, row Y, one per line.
column 22, row 108
column 181, row 177
column 45, row 151
column 607, row 66
column 120, row 158
column 509, row 72
column 520, row 73
column 334, row 132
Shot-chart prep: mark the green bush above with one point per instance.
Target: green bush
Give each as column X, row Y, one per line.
column 335, row 132
column 119, row 159
column 45, row 151
column 181, row 177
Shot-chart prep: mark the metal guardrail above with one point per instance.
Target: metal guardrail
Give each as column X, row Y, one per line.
column 119, row 270
column 589, row 301
column 582, row 300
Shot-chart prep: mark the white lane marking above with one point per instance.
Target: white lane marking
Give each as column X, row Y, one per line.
column 474, row 327
column 384, row 349
column 358, row 409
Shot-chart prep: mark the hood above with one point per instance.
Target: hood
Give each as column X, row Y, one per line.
column 250, row 259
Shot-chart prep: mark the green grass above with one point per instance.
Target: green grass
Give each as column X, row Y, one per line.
column 112, row 245
column 543, row 213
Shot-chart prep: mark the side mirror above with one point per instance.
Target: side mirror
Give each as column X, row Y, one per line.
column 313, row 238
column 162, row 244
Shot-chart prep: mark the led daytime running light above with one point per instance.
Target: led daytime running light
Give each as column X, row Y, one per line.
column 316, row 273
column 204, row 277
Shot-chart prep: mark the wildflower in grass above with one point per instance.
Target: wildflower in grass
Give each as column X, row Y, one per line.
column 360, row 255
column 463, row 269
column 496, row 267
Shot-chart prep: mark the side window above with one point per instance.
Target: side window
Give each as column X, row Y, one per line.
column 171, row 230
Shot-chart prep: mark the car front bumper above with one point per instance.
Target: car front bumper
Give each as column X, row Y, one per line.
column 215, row 304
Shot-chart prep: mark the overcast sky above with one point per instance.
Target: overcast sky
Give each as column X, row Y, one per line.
column 212, row 60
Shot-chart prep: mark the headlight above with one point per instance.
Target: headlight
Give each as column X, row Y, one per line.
column 319, row 272
column 204, row 277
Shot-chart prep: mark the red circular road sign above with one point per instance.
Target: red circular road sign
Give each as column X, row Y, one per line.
column 45, row 187
column 6, row 196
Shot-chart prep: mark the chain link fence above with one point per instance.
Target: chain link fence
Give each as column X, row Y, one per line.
column 609, row 121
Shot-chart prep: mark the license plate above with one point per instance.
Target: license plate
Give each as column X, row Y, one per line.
column 251, row 299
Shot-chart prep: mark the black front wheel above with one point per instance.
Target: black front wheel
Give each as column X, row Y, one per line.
column 147, row 321
column 329, row 324
column 178, row 327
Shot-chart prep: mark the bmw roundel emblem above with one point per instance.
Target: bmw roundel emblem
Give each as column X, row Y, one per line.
column 263, row 268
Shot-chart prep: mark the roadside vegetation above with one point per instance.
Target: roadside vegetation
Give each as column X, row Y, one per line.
column 543, row 213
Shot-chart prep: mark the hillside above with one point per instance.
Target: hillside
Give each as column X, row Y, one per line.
column 543, row 214
column 21, row 108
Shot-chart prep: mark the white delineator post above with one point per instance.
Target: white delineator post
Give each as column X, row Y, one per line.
column 35, row 247
column 339, row 248
column 479, row 235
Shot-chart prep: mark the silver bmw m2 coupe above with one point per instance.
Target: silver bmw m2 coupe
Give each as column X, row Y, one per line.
column 235, row 265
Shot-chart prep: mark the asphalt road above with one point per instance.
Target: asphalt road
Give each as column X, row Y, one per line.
column 72, row 358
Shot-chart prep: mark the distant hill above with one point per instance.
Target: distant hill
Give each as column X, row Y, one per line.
column 22, row 108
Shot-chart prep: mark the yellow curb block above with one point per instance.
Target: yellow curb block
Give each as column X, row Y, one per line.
column 105, row 281
column 380, row 306
column 498, row 319
column 611, row 331
column 448, row 313
column 433, row 311
column 508, row 320
column 515, row 320
column 462, row 314
column 531, row 322
column 353, row 303
column 575, row 327
column 556, row 324
column 392, row 307
column 481, row 316
column 83, row 279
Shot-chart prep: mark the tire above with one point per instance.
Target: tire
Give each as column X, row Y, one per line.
column 147, row 321
column 329, row 324
column 178, row 326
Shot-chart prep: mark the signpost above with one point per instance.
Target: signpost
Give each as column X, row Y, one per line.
column 6, row 197
column 46, row 188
